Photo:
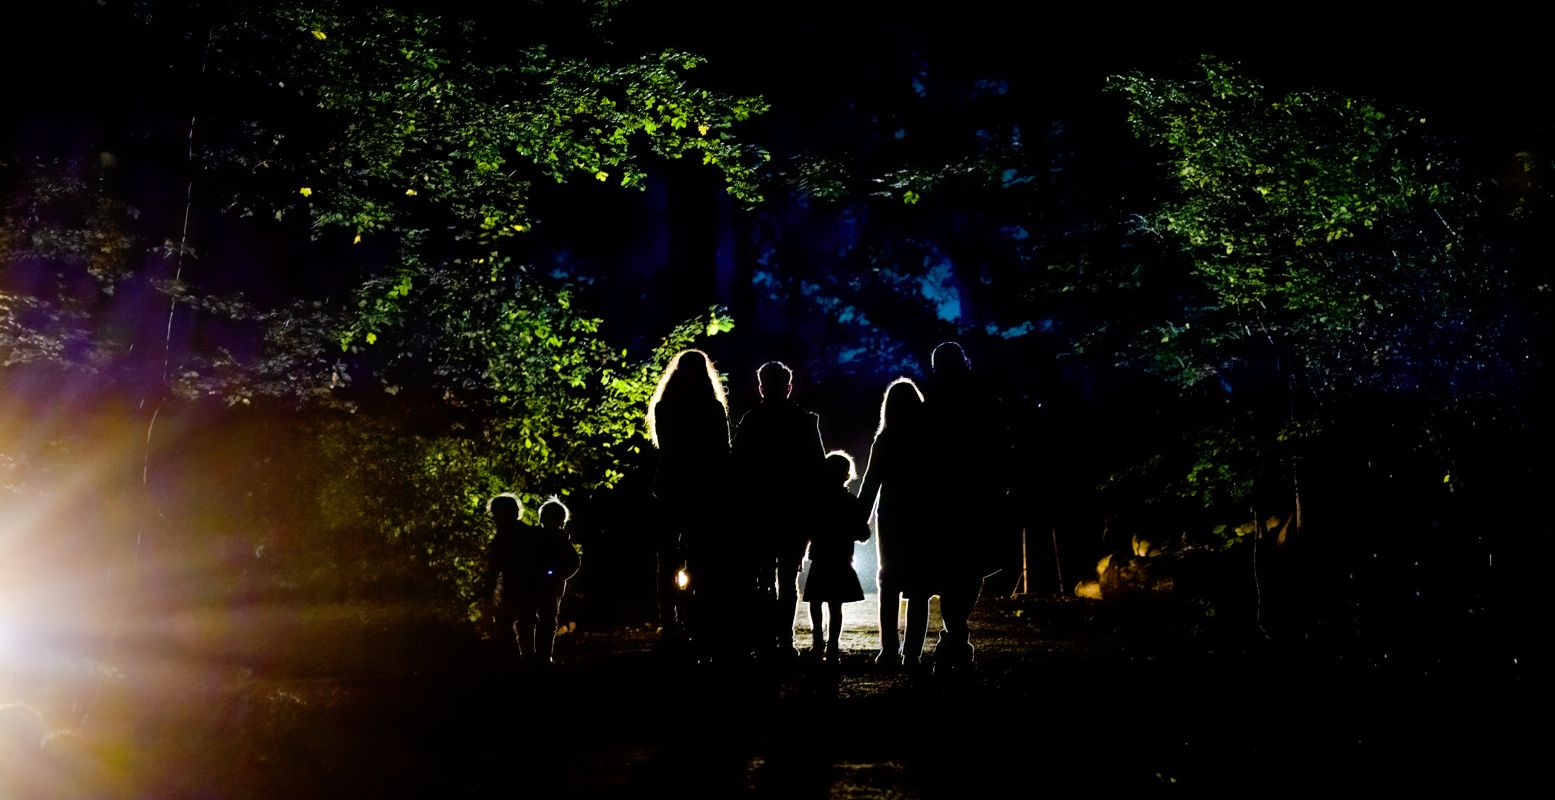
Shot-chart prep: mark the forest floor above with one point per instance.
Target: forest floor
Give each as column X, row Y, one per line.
column 1066, row 695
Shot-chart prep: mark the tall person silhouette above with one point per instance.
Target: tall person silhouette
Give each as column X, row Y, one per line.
column 688, row 421
column 897, row 492
column 780, row 461
column 965, row 446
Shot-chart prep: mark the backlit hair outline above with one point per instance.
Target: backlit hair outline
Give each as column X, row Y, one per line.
column 668, row 377
column 502, row 499
column 553, row 500
column 898, row 389
column 852, row 465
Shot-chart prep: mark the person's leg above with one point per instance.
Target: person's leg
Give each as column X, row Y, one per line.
column 507, row 617
column 671, row 610
column 787, row 604
column 761, row 559
column 524, row 628
column 917, row 627
column 834, row 633
column 815, row 625
column 956, row 604
column 890, row 612
column 545, row 628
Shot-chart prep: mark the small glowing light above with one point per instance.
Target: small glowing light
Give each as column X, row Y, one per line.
column 682, row 578
column 550, row 572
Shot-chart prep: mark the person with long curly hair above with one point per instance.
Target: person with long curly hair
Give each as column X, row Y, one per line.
column 688, row 422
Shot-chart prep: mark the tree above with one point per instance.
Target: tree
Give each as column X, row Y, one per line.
column 1334, row 247
column 66, row 242
column 410, row 143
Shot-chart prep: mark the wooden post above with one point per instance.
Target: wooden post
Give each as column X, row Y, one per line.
column 1021, row 585
column 1025, row 587
column 1058, row 567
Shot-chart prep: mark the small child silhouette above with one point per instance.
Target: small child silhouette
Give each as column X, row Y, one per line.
column 532, row 566
column 832, row 580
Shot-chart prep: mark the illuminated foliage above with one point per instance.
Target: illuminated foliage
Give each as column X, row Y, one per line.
column 446, row 369
column 419, row 119
column 426, row 135
column 564, row 415
column 1331, row 248
column 1331, row 228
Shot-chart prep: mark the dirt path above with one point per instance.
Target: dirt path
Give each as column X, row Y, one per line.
column 1066, row 697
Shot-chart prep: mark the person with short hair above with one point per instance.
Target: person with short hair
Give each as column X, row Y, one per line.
column 526, row 573
column 967, row 451
column 779, row 460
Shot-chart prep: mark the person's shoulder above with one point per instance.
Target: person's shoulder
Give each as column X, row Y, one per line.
column 797, row 412
column 763, row 413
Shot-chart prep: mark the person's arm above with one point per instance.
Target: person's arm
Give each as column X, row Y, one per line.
column 860, row 529
column 874, row 473
column 568, row 558
column 488, row 582
column 815, row 461
column 739, row 440
column 723, row 425
column 489, row 572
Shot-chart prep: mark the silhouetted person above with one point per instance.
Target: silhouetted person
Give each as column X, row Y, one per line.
column 502, row 558
column 527, row 571
column 779, row 457
column 557, row 560
column 966, row 447
column 898, row 493
column 688, row 421
column 839, row 523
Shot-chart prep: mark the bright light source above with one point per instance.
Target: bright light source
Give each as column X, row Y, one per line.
column 682, row 578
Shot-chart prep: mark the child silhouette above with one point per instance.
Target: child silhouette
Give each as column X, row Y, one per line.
column 832, row 580
column 531, row 567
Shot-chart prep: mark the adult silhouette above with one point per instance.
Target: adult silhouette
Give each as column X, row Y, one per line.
column 897, row 492
column 781, row 462
column 688, row 421
column 965, row 448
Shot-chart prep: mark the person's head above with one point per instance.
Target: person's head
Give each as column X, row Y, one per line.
column 774, row 380
column 840, row 467
column 505, row 508
column 949, row 361
column 689, row 378
column 554, row 514
column 901, row 403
